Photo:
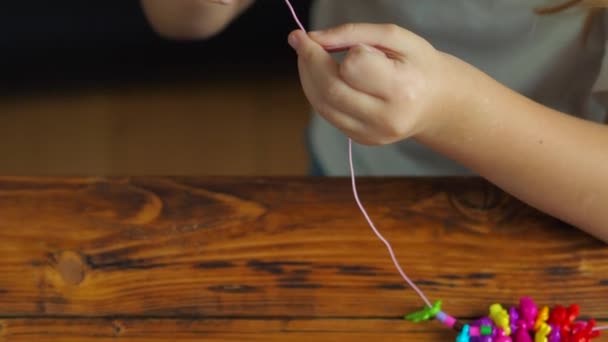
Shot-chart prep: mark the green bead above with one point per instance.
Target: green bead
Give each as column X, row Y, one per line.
column 425, row 314
column 486, row 330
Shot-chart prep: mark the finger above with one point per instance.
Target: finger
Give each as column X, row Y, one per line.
column 324, row 87
column 368, row 70
column 383, row 36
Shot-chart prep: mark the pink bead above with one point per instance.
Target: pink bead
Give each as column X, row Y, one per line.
column 528, row 311
column 503, row 339
column 450, row 321
column 474, row 331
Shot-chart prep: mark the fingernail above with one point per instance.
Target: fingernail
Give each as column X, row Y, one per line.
column 294, row 41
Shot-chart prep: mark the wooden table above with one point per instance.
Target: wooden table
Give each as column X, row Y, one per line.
column 278, row 259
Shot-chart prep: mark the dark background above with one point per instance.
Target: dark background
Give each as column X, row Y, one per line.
column 75, row 43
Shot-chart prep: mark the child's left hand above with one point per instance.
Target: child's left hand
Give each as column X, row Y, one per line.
column 392, row 84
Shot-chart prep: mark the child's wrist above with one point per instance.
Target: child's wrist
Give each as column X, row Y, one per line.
column 462, row 95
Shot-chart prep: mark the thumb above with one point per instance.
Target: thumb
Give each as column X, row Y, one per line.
column 307, row 48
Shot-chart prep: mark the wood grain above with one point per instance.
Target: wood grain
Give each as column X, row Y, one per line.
column 283, row 249
column 157, row 330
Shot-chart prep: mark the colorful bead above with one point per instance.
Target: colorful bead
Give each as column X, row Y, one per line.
column 583, row 332
column 555, row 334
column 480, row 324
column 528, row 311
column 571, row 314
column 500, row 317
column 513, row 317
column 557, row 316
column 542, row 332
column 521, row 332
column 425, row 314
column 486, row 330
column 498, row 332
column 543, row 316
column 562, row 318
column 446, row 319
column 474, row 331
column 464, row 334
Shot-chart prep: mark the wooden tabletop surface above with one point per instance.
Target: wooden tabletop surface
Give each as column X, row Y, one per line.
column 274, row 259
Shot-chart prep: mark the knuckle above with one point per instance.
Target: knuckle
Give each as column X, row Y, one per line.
column 325, row 110
column 347, row 28
column 392, row 30
column 351, row 63
column 333, row 91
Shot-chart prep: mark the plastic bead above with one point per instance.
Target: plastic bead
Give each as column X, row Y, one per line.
column 485, row 321
column 543, row 316
column 474, row 331
column 513, row 317
column 464, row 334
column 425, row 314
column 569, row 318
column 498, row 332
column 583, row 332
column 555, row 334
column 486, row 330
column 542, row 332
column 528, row 311
column 561, row 318
column 557, row 317
column 450, row 322
column 521, row 332
column 500, row 317
column 446, row 319
column 503, row 339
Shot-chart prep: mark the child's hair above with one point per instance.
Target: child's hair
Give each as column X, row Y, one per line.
column 595, row 8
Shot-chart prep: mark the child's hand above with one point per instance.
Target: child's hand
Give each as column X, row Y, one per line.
column 391, row 85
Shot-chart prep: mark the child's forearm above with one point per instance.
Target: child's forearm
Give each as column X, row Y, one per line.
column 191, row 19
column 553, row 161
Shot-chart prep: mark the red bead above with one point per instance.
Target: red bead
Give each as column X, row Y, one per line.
column 558, row 316
column 583, row 332
column 571, row 315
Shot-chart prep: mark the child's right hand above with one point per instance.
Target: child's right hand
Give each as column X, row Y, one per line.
column 391, row 85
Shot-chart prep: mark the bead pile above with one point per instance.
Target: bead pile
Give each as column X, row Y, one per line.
column 524, row 323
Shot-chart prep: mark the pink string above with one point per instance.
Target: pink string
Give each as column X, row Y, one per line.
column 352, row 173
column 295, row 15
column 371, row 224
